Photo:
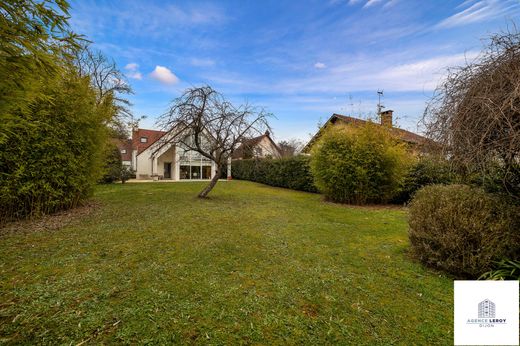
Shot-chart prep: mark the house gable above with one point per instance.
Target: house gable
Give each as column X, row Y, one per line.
column 261, row 146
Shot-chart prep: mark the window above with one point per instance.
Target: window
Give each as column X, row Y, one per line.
column 193, row 165
column 123, row 151
column 144, row 139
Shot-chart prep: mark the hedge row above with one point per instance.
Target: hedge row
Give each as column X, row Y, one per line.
column 292, row 173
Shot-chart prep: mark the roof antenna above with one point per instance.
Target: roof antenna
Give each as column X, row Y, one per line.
column 379, row 105
column 351, row 104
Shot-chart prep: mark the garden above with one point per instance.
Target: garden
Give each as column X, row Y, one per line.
column 151, row 263
column 358, row 242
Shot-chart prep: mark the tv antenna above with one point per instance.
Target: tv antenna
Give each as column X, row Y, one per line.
column 379, row 105
column 351, row 104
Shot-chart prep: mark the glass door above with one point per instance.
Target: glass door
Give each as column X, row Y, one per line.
column 167, row 170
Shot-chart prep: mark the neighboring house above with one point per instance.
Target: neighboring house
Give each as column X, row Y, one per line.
column 152, row 155
column 414, row 140
column 125, row 148
column 258, row 147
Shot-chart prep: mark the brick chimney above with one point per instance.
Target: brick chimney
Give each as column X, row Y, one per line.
column 386, row 118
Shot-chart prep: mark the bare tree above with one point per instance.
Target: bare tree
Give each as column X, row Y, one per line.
column 202, row 120
column 475, row 113
column 291, row 147
column 110, row 85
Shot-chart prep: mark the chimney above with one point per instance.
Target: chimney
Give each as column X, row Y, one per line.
column 386, row 118
column 135, row 135
column 267, row 133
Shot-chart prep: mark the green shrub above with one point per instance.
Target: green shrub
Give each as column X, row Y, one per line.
column 292, row 173
column 359, row 164
column 462, row 229
column 126, row 173
column 503, row 270
column 427, row 170
column 113, row 165
column 52, row 152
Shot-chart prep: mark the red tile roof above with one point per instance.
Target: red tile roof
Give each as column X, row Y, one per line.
column 124, row 144
column 151, row 135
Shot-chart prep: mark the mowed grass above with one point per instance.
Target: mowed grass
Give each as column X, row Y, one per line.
column 253, row 265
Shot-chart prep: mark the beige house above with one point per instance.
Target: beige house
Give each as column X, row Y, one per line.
column 258, row 147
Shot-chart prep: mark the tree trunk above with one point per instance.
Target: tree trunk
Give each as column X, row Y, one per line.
column 211, row 184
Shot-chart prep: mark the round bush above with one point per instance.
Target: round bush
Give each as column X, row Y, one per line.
column 359, row 164
column 462, row 229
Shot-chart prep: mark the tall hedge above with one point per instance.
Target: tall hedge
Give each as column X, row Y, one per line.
column 51, row 154
column 292, row 173
column 360, row 164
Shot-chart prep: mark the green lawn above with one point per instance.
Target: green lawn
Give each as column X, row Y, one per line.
column 253, row 264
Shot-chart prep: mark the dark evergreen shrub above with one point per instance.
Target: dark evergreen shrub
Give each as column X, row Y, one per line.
column 462, row 229
column 113, row 167
column 126, row 173
column 425, row 171
column 292, row 173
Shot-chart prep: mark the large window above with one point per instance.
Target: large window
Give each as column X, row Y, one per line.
column 194, row 166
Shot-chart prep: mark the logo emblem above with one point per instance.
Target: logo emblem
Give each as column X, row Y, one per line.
column 486, row 309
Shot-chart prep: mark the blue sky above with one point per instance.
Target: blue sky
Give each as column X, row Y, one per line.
column 301, row 60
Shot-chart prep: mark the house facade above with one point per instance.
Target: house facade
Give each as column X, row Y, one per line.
column 414, row 141
column 154, row 155
column 258, row 147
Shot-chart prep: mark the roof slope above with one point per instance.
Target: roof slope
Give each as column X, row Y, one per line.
column 124, row 144
column 404, row 135
column 252, row 142
column 151, row 135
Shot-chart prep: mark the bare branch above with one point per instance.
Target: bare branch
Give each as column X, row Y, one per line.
column 475, row 113
column 202, row 120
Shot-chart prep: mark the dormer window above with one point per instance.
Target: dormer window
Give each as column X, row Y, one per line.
column 123, row 151
column 144, row 139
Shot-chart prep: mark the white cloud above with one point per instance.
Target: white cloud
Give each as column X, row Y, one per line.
column 199, row 62
column 133, row 71
column 131, row 66
column 164, row 75
column 480, row 11
column 390, row 3
column 395, row 73
column 371, row 3
column 320, row 65
column 135, row 75
column 353, row 2
column 422, row 74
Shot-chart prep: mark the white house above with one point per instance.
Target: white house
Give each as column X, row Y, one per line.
column 154, row 156
column 258, row 147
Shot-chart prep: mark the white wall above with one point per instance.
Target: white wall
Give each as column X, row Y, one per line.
column 168, row 156
column 268, row 148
